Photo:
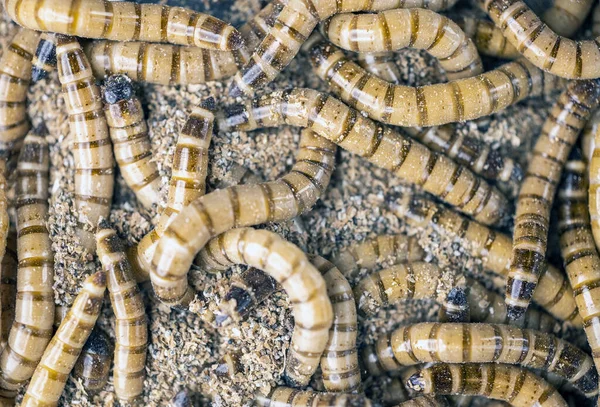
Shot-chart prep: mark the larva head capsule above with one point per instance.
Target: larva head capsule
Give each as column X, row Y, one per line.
column 117, row 88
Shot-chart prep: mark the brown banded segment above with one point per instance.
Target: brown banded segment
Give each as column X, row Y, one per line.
column 50, row 376
column 380, row 64
column 289, row 397
column 592, row 134
column 455, row 307
column 426, row 401
column 93, row 364
column 488, row 39
column 565, row 17
column 44, row 60
column 8, row 287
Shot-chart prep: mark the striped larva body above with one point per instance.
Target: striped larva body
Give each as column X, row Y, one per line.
column 44, row 60
column 488, row 38
column 437, row 34
column 455, row 307
column 93, row 364
column 92, row 150
column 131, row 326
column 588, row 136
column 289, row 397
column 481, row 343
column 431, row 105
column 516, row 385
column 8, row 287
column 594, row 173
column 426, row 401
column 559, row 133
column 131, row 143
column 382, row 146
column 563, row 16
column 34, row 310
column 4, row 204
column 15, row 76
column 302, row 282
column 125, row 21
column 380, row 64
column 221, row 210
column 50, row 376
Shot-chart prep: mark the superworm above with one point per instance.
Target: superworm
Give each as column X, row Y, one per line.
column 488, row 38
column 93, row 364
column 125, row 21
column 34, row 311
column 306, row 288
column 380, row 64
column 221, row 210
column 553, row 292
column 545, row 49
column 131, row 143
column 532, row 218
column 563, row 16
column 455, row 307
column 289, row 397
column 50, row 376
column 44, row 60
column 594, row 174
column 8, row 287
column 482, row 343
column 92, row 150
column 518, row 386
column 131, row 326
column 410, row 161
column 15, row 76
column 426, row 401
column 588, row 136
column 430, row 105
column 440, row 36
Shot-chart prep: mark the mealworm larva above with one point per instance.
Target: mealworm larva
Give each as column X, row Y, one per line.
column 129, row 135
column 553, row 292
column 213, row 214
column 481, row 343
column 34, row 310
column 92, row 150
column 125, row 21
column 44, row 60
column 373, row 252
column 594, row 175
column 15, row 75
column 60, row 312
column 563, row 16
column 422, row 106
column 380, row 64
column 426, row 401
column 545, row 49
column 93, row 363
column 518, row 386
column 289, row 397
column 131, row 326
column 382, row 146
column 440, row 36
column 51, row 374
column 455, row 307
column 532, row 217
column 8, row 287
column 488, row 39
column 238, row 174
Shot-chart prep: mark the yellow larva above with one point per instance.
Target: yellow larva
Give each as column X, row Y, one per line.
column 553, row 292
column 131, row 143
column 131, row 326
column 430, row 105
column 93, row 364
column 426, row 401
column 594, row 175
column 92, row 150
column 34, row 311
column 410, row 161
column 412, row 28
column 488, row 39
column 588, row 136
column 518, row 386
column 380, row 64
column 563, row 16
column 50, row 376
column 125, row 21
column 532, row 218
column 44, row 60
column 289, row 397
column 8, row 288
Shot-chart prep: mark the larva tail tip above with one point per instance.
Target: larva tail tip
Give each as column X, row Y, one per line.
column 457, row 296
column 98, row 343
column 234, row 41
column 37, row 74
column 514, row 312
column 117, row 88
column 416, row 382
column 209, row 103
column 99, row 278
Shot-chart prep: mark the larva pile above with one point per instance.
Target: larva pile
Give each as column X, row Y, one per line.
column 178, row 226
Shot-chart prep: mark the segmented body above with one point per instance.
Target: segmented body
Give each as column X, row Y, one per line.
column 588, row 142
column 4, row 217
column 488, row 39
column 93, row 364
column 288, row 397
column 594, row 173
column 426, row 401
column 380, row 64
column 8, row 287
column 44, row 60
column 455, row 307
column 563, row 16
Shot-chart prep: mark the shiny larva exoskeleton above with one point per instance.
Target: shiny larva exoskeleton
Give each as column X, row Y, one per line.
column 131, row 143
column 426, row 401
column 588, row 135
column 591, row 143
column 488, row 38
column 51, row 374
column 4, row 204
column 125, row 21
column 565, row 17
column 289, row 397
column 8, row 287
column 44, row 60
column 380, row 64
column 93, row 364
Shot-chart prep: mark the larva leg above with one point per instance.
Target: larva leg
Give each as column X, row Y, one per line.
column 440, row 36
column 553, row 292
column 588, row 142
column 125, row 21
column 382, row 146
column 426, row 401
column 430, row 105
column 34, row 312
column 221, row 210
column 515, row 385
column 8, row 288
column 44, row 60
column 129, row 135
column 131, row 327
column 93, row 364
column 566, row 16
column 532, row 218
column 289, row 397
column 455, row 307
column 92, row 150
column 50, row 377
column 488, row 39
column 380, row 64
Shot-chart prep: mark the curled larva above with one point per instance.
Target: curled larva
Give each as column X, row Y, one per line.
column 92, row 150
column 409, row 160
column 131, row 326
column 380, row 64
column 563, row 16
column 51, row 374
column 516, row 385
column 34, row 311
column 553, row 292
column 532, row 218
column 44, row 60
column 125, row 21
column 440, row 36
column 488, row 38
column 431, row 105
column 288, row 397
column 131, row 143
column 8, row 287
column 93, row 364
column 455, row 307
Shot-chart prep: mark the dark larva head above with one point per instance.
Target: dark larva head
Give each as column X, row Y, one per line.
column 235, row 41
column 416, row 382
column 457, row 297
column 98, row 343
column 117, row 88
